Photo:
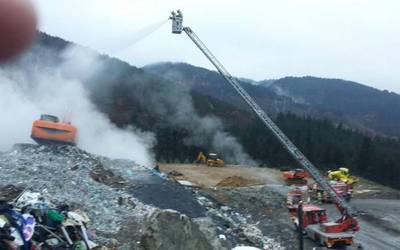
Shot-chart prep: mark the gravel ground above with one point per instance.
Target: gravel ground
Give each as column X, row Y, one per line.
column 380, row 223
column 262, row 207
column 169, row 195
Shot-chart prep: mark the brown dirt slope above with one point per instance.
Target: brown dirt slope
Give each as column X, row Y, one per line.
column 210, row 177
column 236, row 181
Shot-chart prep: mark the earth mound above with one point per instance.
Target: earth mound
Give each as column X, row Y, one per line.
column 236, row 181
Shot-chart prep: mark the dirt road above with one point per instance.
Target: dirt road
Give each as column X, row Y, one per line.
column 380, row 223
column 209, row 177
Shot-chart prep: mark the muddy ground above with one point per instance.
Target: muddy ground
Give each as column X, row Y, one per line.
column 262, row 198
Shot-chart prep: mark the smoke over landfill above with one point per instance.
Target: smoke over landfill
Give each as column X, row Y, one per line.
column 36, row 85
column 173, row 102
column 79, row 85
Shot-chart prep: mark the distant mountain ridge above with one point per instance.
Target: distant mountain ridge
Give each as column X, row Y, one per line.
column 367, row 109
column 350, row 101
column 185, row 106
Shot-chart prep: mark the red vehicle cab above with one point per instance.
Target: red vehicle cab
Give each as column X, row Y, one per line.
column 317, row 227
column 311, row 214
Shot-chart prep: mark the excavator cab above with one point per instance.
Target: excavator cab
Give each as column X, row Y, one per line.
column 213, row 156
column 50, row 118
column 49, row 130
column 214, row 161
column 344, row 171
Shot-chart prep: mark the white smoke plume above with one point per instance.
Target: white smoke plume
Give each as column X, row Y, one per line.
column 33, row 86
column 173, row 102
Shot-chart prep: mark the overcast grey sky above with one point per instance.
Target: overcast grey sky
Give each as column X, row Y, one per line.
column 356, row 40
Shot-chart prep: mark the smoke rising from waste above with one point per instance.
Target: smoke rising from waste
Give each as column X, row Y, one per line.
column 36, row 85
column 174, row 103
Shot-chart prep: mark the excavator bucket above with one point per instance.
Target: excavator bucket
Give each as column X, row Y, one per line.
column 49, row 130
column 201, row 158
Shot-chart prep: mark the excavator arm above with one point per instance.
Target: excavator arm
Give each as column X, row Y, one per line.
column 201, row 158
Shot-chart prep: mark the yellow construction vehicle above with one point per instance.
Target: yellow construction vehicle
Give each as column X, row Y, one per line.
column 211, row 161
column 342, row 175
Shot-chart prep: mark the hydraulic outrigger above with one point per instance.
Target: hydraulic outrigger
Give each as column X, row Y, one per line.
column 327, row 233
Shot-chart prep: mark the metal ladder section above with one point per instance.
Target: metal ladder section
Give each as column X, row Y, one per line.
column 293, row 150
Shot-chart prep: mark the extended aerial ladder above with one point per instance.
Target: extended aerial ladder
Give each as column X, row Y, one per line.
column 344, row 208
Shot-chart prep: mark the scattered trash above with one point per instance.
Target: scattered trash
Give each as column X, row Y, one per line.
column 32, row 222
column 245, row 248
column 9, row 192
column 107, row 177
column 222, row 237
column 186, row 183
column 174, row 173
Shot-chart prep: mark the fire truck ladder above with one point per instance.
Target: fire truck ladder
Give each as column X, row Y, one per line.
column 177, row 28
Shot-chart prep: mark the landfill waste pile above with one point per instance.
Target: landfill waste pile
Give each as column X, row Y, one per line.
column 115, row 204
column 70, row 176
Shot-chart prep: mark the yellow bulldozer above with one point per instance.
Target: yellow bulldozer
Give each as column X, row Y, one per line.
column 342, row 175
column 211, row 161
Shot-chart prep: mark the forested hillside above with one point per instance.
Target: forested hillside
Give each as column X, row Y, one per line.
column 367, row 109
column 351, row 102
column 202, row 113
column 326, row 144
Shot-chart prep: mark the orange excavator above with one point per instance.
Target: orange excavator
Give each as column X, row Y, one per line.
column 49, row 130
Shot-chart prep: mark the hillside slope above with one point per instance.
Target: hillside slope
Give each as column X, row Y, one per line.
column 367, row 109
column 185, row 118
column 350, row 102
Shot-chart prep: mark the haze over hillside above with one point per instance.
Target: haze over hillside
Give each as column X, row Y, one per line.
column 357, row 106
column 178, row 110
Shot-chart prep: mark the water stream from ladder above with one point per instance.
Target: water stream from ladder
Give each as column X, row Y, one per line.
column 133, row 38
